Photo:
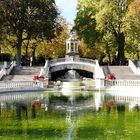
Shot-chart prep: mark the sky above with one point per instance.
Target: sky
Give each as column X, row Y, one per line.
column 67, row 9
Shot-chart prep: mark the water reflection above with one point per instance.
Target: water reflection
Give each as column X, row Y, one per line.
column 95, row 101
column 54, row 115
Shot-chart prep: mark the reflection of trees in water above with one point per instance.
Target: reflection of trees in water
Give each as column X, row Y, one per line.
column 121, row 108
column 110, row 105
column 137, row 108
column 33, row 112
column 0, row 109
column 20, row 109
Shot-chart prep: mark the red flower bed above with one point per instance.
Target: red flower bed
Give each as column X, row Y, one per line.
column 109, row 103
column 36, row 103
column 38, row 77
column 110, row 77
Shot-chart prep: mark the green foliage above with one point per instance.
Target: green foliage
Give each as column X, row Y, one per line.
column 56, row 47
column 28, row 20
column 133, row 30
column 85, row 23
column 112, row 25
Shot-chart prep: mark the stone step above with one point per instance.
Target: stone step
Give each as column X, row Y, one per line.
column 26, row 71
column 18, row 78
column 23, row 74
column 121, row 72
column 121, row 69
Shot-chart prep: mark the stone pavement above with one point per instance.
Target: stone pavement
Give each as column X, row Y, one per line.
column 23, row 74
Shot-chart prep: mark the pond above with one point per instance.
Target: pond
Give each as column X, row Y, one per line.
column 80, row 115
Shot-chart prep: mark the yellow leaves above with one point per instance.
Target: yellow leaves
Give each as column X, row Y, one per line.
column 89, row 52
column 85, row 4
column 135, row 7
column 55, row 48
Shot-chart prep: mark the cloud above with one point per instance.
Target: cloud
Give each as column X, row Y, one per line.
column 67, row 9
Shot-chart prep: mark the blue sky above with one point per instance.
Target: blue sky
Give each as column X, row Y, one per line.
column 67, row 8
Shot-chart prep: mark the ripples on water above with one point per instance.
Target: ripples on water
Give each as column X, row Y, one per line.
column 78, row 116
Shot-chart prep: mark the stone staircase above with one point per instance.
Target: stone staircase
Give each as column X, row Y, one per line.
column 23, row 74
column 121, row 72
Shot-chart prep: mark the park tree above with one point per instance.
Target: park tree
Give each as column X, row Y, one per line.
column 56, row 47
column 85, row 22
column 111, row 17
column 133, row 30
column 2, row 29
column 46, row 49
column 30, row 19
column 108, row 21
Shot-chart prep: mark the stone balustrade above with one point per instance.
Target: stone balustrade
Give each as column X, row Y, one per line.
column 6, row 68
column 2, row 73
column 135, row 69
column 85, row 60
column 118, row 83
column 21, row 85
column 126, row 85
column 56, row 60
column 10, row 67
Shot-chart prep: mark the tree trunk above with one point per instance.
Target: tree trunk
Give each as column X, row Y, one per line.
column 109, row 59
column 138, row 57
column 18, row 55
column 26, row 53
column 102, row 56
column 19, row 51
column 121, row 44
column 108, row 53
column 33, row 54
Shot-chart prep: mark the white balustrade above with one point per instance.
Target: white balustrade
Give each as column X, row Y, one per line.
column 57, row 60
column 135, row 69
column 80, row 60
column 2, row 73
column 9, row 69
column 21, row 85
column 119, row 83
column 99, row 74
column 87, row 60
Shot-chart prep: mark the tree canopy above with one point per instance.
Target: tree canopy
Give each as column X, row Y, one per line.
column 110, row 24
column 30, row 19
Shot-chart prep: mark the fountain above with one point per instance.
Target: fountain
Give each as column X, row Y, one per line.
column 71, row 81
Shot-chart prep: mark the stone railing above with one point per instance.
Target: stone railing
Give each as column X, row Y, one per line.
column 44, row 70
column 99, row 74
column 5, row 64
column 2, row 73
column 85, row 60
column 10, row 67
column 135, row 69
column 21, row 86
column 119, row 83
column 7, row 68
column 57, row 60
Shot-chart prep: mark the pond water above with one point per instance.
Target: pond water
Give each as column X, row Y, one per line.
column 79, row 115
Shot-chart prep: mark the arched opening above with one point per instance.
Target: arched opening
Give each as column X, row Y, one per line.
column 68, row 47
column 72, row 47
column 59, row 75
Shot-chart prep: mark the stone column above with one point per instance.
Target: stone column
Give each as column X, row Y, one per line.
column 5, row 64
column 99, row 83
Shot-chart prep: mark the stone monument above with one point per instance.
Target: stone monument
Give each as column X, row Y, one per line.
column 72, row 51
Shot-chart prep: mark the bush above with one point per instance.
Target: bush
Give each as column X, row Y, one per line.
column 5, row 57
